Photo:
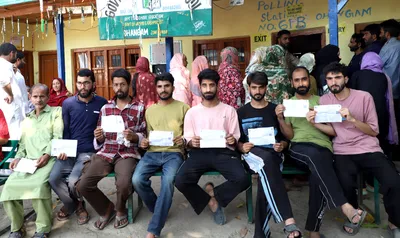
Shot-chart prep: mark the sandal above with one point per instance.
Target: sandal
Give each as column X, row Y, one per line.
column 61, row 215
column 103, row 222
column 121, row 222
column 209, row 191
column 289, row 229
column 41, row 235
column 18, row 234
column 354, row 226
column 83, row 216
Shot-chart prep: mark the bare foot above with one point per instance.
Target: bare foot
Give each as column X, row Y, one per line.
column 210, row 189
column 314, row 234
column 213, row 204
column 349, row 211
column 391, row 226
column 150, row 235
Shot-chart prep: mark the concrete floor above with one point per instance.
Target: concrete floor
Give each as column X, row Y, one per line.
column 183, row 222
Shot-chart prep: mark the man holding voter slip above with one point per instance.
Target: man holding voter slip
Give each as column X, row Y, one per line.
column 356, row 148
column 120, row 129
column 80, row 116
column 165, row 148
column 32, row 166
column 262, row 142
column 211, row 130
column 311, row 145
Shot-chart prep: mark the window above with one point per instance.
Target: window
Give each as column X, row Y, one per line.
column 116, row 60
column 99, row 61
column 133, row 59
column 83, row 61
column 212, row 57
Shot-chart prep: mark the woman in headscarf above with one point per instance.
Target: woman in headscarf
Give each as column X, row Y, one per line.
column 230, row 87
column 181, row 78
column 199, row 64
column 308, row 61
column 58, row 93
column 372, row 79
column 143, row 87
column 271, row 60
column 325, row 56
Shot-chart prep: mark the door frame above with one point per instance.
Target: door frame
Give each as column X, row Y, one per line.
column 310, row 31
column 41, row 53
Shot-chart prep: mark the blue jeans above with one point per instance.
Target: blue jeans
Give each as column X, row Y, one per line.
column 63, row 177
column 169, row 163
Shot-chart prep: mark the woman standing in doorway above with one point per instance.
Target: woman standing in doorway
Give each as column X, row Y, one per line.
column 181, row 78
column 58, row 93
column 143, row 87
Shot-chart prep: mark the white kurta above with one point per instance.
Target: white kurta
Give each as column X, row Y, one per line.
column 13, row 112
column 19, row 78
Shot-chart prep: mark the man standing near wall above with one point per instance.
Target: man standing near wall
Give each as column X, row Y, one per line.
column 371, row 37
column 19, row 78
column 284, row 41
column 356, row 45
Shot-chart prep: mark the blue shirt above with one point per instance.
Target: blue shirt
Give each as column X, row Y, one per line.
column 390, row 55
column 80, row 121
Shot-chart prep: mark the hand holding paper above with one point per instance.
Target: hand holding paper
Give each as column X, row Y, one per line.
column 26, row 166
column 262, row 136
column 161, row 138
column 67, row 147
column 112, row 123
column 212, row 139
column 328, row 113
column 295, row 108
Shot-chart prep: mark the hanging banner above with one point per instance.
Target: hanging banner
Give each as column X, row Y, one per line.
column 12, row 2
column 129, row 19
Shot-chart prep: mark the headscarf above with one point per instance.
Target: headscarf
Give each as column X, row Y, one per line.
column 198, row 65
column 143, row 86
column 57, row 100
column 230, row 86
column 372, row 61
column 182, row 79
column 308, row 61
column 325, row 56
column 271, row 60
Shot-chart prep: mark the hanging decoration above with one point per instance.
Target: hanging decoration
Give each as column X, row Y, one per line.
column 37, row 27
column 46, row 27
column 18, row 26
column 69, row 17
column 23, row 43
column 3, row 30
column 41, row 16
column 12, row 25
column 82, row 15
column 94, row 14
column 27, row 27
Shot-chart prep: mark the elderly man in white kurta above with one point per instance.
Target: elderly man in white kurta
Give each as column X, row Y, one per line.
column 11, row 102
column 39, row 128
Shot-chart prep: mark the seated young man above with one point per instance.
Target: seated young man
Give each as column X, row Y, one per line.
column 39, row 128
column 356, row 147
column 211, row 114
column 167, row 115
column 311, row 145
column 118, row 152
column 272, row 198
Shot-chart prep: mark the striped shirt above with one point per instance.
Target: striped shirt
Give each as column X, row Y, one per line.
column 133, row 116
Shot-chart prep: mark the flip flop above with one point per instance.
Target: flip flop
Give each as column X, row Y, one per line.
column 288, row 229
column 82, row 219
column 62, row 216
column 117, row 222
column 104, row 221
column 354, row 226
column 211, row 192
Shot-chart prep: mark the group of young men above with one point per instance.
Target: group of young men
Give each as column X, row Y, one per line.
column 333, row 165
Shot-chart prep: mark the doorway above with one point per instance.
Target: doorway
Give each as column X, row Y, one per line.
column 304, row 41
column 48, row 67
column 27, row 70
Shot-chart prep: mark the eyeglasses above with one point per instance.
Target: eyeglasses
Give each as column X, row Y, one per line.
column 86, row 83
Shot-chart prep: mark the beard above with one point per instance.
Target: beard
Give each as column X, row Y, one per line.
column 257, row 97
column 354, row 48
column 164, row 96
column 209, row 96
column 121, row 95
column 85, row 94
column 336, row 91
column 302, row 90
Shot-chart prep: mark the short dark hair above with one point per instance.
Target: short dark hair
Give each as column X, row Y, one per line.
column 208, row 74
column 87, row 73
column 391, row 26
column 374, row 29
column 358, row 37
column 122, row 73
column 259, row 78
column 20, row 55
column 165, row 77
column 40, row 85
column 283, row 32
column 336, row 68
column 7, row 48
column 298, row 68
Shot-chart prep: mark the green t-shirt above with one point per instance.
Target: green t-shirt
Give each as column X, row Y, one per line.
column 166, row 118
column 305, row 132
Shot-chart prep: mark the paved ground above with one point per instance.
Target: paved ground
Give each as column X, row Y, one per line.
column 183, row 222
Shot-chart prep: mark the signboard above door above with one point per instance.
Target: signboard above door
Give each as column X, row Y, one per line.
column 132, row 19
column 12, row 2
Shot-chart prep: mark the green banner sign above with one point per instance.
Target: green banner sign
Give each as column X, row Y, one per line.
column 12, row 2
column 153, row 18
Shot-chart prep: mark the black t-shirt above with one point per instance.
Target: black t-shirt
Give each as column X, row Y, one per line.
column 250, row 117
